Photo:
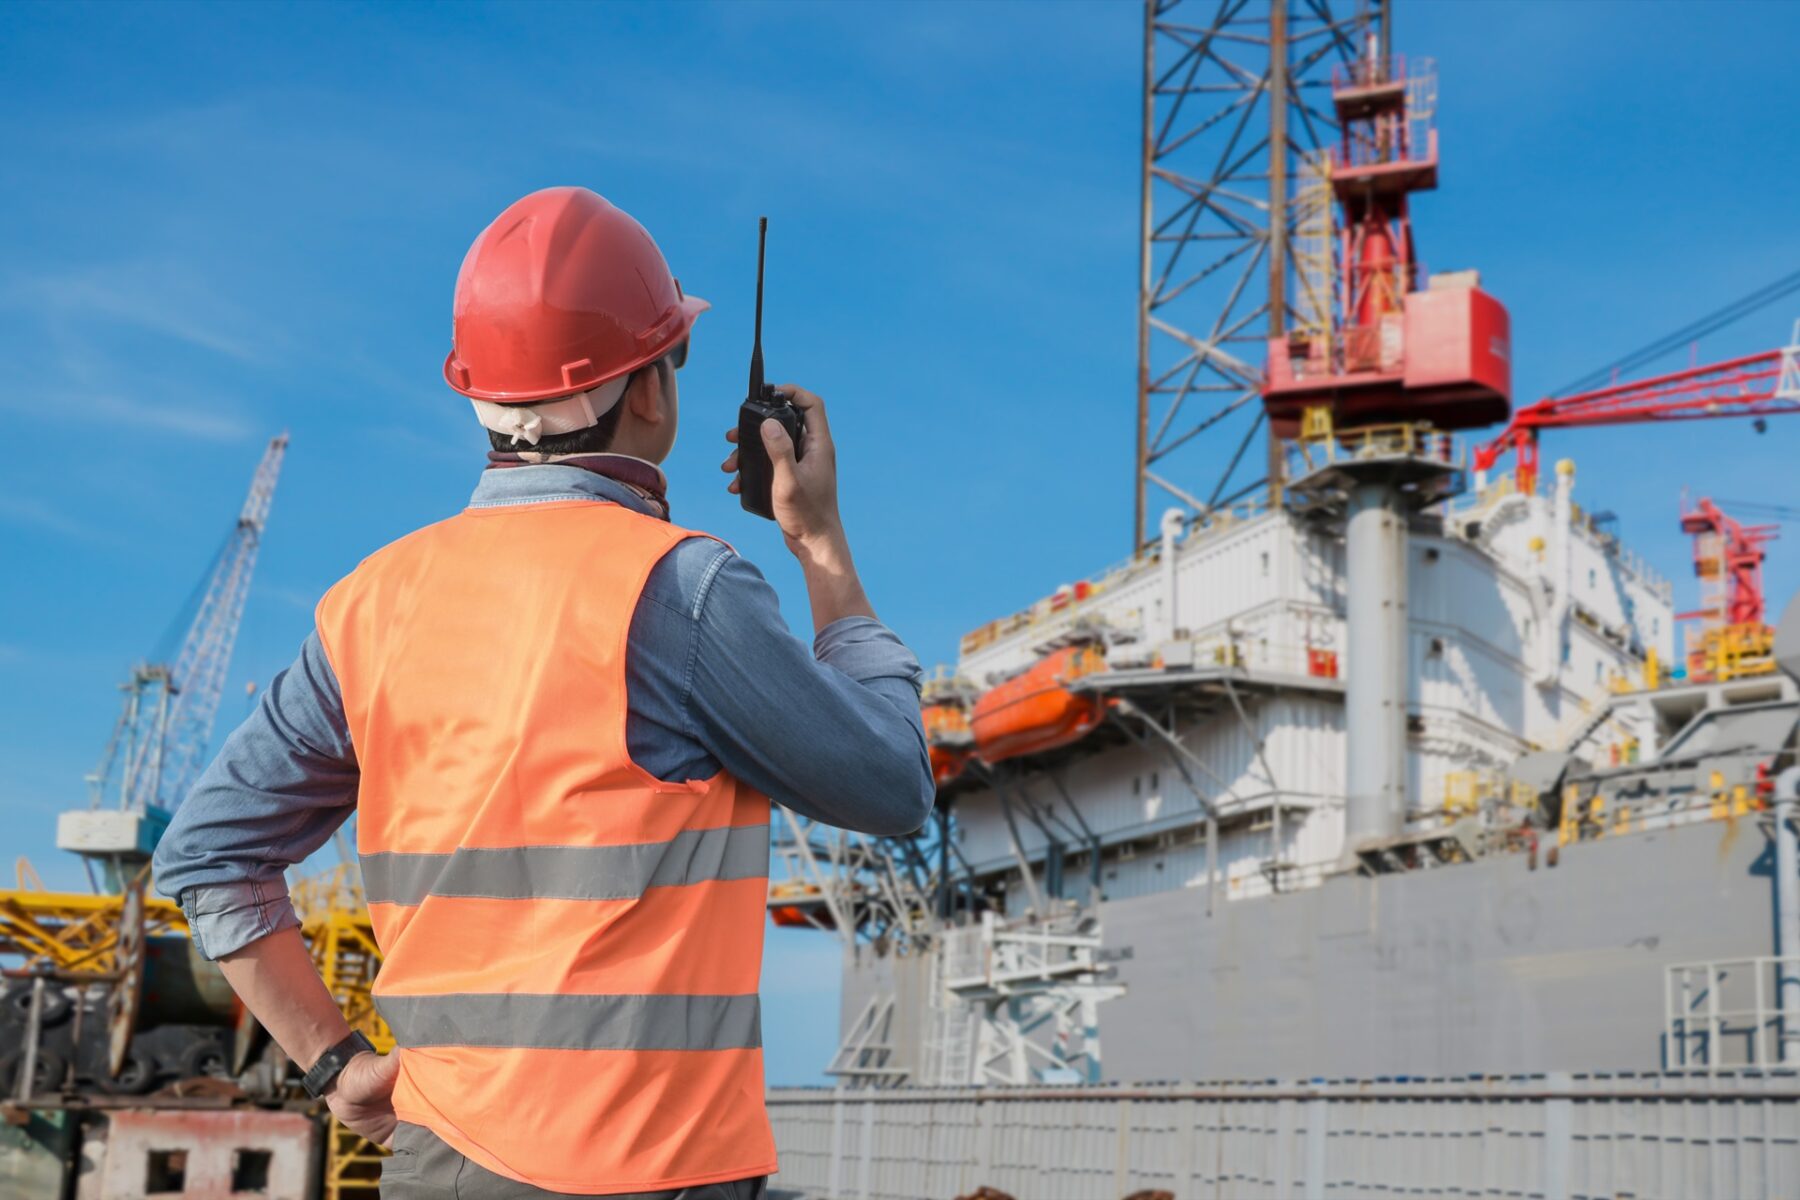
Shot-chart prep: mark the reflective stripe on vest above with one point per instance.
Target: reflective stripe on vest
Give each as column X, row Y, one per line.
column 569, row 872
column 571, row 946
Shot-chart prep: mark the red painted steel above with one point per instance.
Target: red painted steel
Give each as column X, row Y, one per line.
column 949, row 739
column 1401, row 353
column 1738, row 387
column 1724, row 546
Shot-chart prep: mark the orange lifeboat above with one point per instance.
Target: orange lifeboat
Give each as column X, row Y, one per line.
column 799, row 906
column 1035, row 711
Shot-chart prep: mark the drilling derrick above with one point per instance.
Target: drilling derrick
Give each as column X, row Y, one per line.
column 1235, row 229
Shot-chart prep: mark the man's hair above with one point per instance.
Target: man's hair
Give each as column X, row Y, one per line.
column 596, row 438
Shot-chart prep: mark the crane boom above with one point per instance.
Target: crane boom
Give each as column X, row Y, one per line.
column 167, row 720
column 1755, row 385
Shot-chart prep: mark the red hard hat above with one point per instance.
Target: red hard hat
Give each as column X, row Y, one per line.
column 561, row 293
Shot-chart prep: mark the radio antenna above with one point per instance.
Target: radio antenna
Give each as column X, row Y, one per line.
column 756, row 366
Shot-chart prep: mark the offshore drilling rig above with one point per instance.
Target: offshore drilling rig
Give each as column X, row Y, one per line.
column 1371, row 762
column 1372, row 766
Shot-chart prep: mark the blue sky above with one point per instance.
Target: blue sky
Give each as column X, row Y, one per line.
column 226, row 220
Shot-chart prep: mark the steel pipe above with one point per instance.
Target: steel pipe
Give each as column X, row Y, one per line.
column 1375, row 683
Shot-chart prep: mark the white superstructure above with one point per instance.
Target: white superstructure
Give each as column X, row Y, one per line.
column 1524, row 615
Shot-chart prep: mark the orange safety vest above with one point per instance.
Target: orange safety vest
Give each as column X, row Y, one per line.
column 571, row 946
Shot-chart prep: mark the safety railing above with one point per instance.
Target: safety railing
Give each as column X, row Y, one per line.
column 1719, row 1137
column 1305, row 455
column 1074, row 597
column 1721, row 653
column 998, row 956
column 1379, row 135
column 1730, row 1014
column 1254, row 656
column 1373, row 71
column 1469, row 792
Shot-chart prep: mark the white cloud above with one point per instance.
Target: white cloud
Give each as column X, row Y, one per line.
column 304, row 601
column 189, row 420
column 32, row 513
column 159, row 297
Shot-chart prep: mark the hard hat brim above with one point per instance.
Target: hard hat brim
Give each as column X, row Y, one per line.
column 659, row 340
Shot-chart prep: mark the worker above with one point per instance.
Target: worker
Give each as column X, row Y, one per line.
column 558, row 719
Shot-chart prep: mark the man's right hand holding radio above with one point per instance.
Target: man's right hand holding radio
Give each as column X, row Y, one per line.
column 804, row 496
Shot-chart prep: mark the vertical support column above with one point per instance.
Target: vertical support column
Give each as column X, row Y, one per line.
column 984, row 1141
column 1122, row 1151
column 1318, row 1119
column 836, row 1176
column 944, row 901
column 1787, row 918
column 1173, row 522
column 1147, row 159
column 1278, row 205
column 865, row 1168
column 1559, row 1135
column 34, row 1036
column 1375, row 687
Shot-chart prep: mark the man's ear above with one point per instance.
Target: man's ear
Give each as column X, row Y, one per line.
column 644, row 396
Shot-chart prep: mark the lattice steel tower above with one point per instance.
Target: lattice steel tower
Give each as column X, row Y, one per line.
column 159, row 741
column 1235, row 240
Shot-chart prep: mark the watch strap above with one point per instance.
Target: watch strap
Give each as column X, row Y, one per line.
column 331, row 1063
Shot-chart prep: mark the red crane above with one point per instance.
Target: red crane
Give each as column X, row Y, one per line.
column 1728, row 555
column 1757, row 385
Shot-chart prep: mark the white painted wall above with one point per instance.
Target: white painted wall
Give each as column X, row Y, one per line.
column 1479, row 589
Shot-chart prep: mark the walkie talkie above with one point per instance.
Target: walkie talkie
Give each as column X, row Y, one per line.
column 756, row 474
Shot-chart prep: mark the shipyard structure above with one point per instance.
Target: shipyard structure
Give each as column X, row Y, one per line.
column 1382, row 823
column 1405, row 764
column 1215, row 901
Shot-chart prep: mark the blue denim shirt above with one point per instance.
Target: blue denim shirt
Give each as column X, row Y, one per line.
column 713, row 679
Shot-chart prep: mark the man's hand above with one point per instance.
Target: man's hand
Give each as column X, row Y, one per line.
column 804, row 496
column 362, row 1096
column 275, row 978
column 804, row 492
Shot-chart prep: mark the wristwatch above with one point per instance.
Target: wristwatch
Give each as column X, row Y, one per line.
column 331, row 1064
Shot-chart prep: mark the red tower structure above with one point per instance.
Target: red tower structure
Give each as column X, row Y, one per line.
column 1728, row 555
column 1400, row 352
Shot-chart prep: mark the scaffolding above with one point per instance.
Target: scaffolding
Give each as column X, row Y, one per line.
column 1315, row 251
column 334, row 919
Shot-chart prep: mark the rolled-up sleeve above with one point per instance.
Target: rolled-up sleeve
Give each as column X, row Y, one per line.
column 282, row 784
column 833, row 733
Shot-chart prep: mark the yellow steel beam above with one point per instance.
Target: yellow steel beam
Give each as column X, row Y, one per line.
column 74, row 931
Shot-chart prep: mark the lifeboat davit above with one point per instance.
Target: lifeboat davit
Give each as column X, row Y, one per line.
column 948, row 736
column 1036, row 711
column 799, row 906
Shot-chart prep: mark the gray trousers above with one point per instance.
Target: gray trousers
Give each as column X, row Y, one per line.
column 424, row 1168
